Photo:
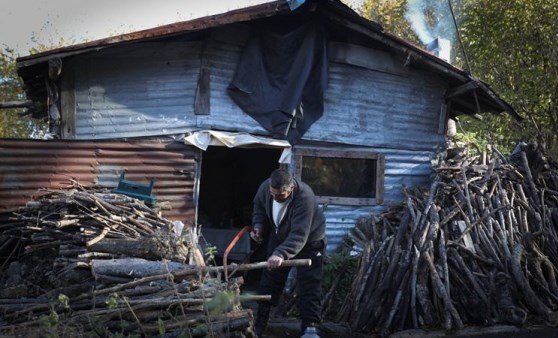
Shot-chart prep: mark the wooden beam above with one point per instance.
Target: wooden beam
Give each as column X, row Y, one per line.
column 368, row 58
column 477, row 104
column 202, row 100
column 460, row 90
column 68, row 105
column 443, row 119
column 16, row 104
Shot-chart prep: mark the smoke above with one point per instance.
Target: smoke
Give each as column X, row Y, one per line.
column 430, row 19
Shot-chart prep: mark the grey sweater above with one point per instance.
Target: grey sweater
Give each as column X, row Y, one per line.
column 303, row 223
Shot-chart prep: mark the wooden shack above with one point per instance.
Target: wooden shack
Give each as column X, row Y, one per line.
column 353, row 110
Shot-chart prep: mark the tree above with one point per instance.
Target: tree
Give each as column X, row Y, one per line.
column 13, row 121
column 391, row 15
column 511, row 44
column 417, row 21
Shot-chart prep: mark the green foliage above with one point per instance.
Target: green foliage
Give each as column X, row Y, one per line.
column 13, row 122
column 511, row 45
column 220, row 303
column 50, row 320
column 200, row 330
column 340, row 267
column 491, row 130
column 185, row 334
column 210, row 253
column 394, row 16
column 391, row 15
column 63, row 302
column 53, row 323
column 112, row 301
column 161, row 326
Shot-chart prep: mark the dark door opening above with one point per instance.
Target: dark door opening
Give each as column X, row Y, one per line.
column 229, row 180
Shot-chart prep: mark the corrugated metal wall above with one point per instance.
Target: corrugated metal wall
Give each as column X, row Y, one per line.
column 403, row 168
column 137, row 90
column 29, row 165
column 391, row 114
column 222, row 54
column 380, row 110
column 150, row 89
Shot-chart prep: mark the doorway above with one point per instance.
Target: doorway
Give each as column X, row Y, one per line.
column 229, row 180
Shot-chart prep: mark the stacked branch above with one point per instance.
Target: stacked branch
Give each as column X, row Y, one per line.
column 85, row 260
column 480, row 248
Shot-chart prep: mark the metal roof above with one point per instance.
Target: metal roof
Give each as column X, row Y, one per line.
column 473, row 93
column 234, row 16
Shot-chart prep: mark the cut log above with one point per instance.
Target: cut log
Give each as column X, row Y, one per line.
column 134, row 267
column 145, row 247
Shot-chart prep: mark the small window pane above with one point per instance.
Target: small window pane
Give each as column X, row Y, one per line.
column 340, row 177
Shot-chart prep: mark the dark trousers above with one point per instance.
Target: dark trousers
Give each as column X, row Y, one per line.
column 308, row 280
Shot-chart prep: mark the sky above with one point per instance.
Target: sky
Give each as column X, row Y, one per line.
column 26, row 24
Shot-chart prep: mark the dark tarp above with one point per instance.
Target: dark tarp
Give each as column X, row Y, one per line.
column 281, row 78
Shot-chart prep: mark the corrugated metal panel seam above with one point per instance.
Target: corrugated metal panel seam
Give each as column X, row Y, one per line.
column 27, row 165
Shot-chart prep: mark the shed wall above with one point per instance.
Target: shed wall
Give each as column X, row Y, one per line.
column 150, row 90
column 28, row 166
column 403, row 168
column 137, row 90
column 381, row 110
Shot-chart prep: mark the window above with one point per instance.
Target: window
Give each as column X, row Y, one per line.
column 342, row 177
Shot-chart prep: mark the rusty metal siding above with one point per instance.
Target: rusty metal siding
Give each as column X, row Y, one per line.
column 370, row 108
column 141, row 90
column 29, row 165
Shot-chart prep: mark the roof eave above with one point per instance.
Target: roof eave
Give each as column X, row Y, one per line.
column 234, row 16
column 420, row 55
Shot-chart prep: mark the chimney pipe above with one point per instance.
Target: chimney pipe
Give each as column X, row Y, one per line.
column 441, row 48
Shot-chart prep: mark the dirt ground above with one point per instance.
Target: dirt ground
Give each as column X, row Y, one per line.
column 290, row 327
column 281, row 328
column 499, row 331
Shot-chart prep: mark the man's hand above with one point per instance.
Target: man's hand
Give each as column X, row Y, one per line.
column 274, row 262
column 256, row 235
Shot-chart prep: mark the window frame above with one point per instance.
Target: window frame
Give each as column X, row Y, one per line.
column 300, row 153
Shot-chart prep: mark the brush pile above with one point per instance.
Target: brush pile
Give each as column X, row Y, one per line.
column 480, row 247
column 86, row 262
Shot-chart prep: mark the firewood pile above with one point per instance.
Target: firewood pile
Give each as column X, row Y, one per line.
column 480, row 247
column 87, row 262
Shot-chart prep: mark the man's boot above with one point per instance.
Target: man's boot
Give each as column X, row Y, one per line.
column 262, row 319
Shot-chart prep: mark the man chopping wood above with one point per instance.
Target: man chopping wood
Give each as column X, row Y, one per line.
column 288, row 220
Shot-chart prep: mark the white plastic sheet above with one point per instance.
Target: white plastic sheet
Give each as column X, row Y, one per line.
column 204, row 138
